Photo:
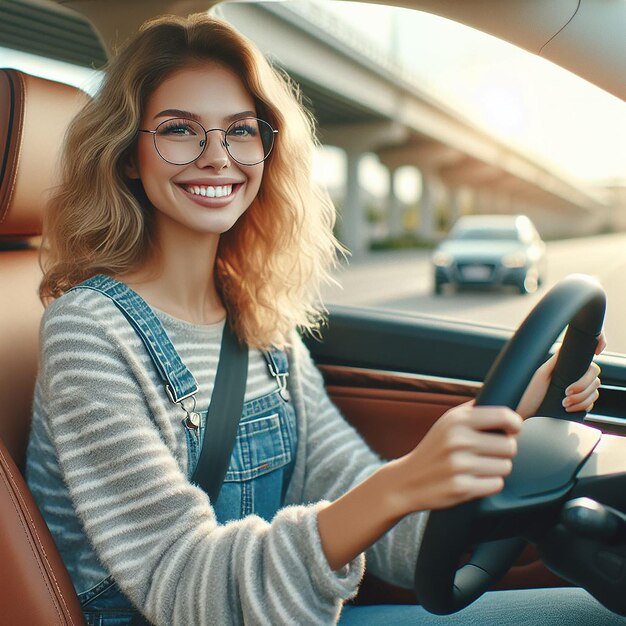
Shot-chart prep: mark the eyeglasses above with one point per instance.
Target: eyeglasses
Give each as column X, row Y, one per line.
column 180, row 141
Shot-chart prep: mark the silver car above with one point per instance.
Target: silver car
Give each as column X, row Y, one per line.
column 491, row 250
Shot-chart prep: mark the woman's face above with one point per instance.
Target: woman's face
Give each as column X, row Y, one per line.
column 210, row 194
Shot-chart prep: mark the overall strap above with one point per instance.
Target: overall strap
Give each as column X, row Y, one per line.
column 278, row 366
column 178, row 380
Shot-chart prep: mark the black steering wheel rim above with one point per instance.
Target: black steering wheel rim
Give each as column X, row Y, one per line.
column 577, row 302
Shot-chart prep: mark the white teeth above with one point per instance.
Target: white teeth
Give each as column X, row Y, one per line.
column 210, row 191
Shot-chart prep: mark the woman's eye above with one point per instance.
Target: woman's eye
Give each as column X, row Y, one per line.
column 177, row 129
column 243, row 130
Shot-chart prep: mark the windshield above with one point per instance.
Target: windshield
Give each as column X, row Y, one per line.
column 490, row 234
column 423, row 121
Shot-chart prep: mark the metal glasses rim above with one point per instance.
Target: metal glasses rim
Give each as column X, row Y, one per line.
column 206, row 133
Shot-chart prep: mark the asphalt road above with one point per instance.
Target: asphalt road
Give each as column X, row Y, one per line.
column 402, row 281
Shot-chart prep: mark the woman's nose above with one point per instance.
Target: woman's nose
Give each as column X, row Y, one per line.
column 214, row 154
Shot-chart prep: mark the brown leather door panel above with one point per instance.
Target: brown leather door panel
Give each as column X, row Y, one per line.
column 392, row 422
column 393, row 412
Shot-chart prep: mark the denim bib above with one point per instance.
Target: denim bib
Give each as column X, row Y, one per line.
column 263, row 455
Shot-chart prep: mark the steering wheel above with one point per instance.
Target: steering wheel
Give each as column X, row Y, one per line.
column 440, row 585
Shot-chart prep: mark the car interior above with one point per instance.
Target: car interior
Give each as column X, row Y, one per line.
column 391, row 374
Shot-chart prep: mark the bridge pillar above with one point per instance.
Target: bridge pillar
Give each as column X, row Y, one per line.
column 454, row 204
column 356, row 140
column 394, row 206
column 426, row 222
column 352, row 224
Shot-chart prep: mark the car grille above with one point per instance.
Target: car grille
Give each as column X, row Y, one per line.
column 475, row 272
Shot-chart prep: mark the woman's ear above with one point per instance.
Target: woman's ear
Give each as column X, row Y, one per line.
column 131, row 169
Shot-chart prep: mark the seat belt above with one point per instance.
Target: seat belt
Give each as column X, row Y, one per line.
column 223, row 416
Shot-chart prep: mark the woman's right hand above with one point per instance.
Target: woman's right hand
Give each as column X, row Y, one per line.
column 459, row 459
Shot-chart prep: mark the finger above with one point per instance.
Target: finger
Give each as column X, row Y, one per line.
column 477, row 465
column 601, row 343
column 488, row 466
column 472, row 487
column 494, row 418
column 585, row 381
column 583, row 404
column 492, row 444
column 550, row 364
column 468, row 403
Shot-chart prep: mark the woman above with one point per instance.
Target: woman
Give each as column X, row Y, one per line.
column 178, row 194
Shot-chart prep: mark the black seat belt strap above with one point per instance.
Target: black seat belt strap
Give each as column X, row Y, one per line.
column 223, row 415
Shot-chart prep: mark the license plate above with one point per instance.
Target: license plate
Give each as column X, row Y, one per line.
column 476, row 272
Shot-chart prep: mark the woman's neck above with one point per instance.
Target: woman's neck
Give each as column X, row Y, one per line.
column 179, row 276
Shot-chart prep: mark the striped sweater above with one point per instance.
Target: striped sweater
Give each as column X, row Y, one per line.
column 113, row 488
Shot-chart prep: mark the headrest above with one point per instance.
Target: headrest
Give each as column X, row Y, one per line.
column 34, row 115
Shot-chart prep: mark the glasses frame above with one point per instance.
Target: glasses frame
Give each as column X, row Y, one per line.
column 223, row 141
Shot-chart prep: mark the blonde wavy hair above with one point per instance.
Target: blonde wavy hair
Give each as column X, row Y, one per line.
column 271, row 264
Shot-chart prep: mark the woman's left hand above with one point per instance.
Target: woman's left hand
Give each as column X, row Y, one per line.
column 579, row 396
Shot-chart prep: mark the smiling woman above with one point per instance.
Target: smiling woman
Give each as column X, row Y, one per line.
column 182, row 158
column 186, row 184
column 181, row 231
column 108, row 131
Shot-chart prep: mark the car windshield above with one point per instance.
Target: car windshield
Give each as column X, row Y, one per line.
column 489, row 234
column 421, row 121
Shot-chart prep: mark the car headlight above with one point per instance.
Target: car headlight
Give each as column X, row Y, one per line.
column 514, row 259
column 442, row 259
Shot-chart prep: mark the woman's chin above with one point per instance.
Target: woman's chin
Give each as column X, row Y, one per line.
column 220, row 224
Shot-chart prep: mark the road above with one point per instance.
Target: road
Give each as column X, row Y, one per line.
column 402, row 281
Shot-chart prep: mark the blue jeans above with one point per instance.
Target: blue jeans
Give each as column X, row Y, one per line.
column 530, row 607
column 105, row 605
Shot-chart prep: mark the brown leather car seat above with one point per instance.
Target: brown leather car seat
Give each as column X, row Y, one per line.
column 35, row 588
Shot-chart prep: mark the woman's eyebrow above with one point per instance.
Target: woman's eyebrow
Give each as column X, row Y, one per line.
column 188, row 115
column 178, row 113
column 237, row 116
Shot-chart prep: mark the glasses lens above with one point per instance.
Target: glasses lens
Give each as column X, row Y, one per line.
column 249, row 140
column 179, row 141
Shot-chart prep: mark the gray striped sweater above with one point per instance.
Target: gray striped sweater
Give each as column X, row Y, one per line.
column 113, row 488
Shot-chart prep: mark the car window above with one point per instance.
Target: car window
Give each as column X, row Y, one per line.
column 525, row 108
column 85, row 78
column 505, row 234
column 422, row 121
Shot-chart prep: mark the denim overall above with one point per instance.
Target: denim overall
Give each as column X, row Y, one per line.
column 263, row 454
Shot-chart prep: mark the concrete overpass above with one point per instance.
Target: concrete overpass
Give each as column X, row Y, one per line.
column 364, row 103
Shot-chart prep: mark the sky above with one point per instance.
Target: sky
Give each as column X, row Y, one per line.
column 527, row 101
column 547, row 112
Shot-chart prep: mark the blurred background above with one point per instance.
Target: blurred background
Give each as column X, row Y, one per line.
column 421, row 122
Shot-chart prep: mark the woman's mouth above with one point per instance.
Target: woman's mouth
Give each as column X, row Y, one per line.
column 211, row 196
column 209, row 191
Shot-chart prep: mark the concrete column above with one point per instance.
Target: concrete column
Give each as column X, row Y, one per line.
column 353, row 226
column 471, row 199
column 454, row 204
column 394, row 207
column 426, row 223
column 356, row 140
